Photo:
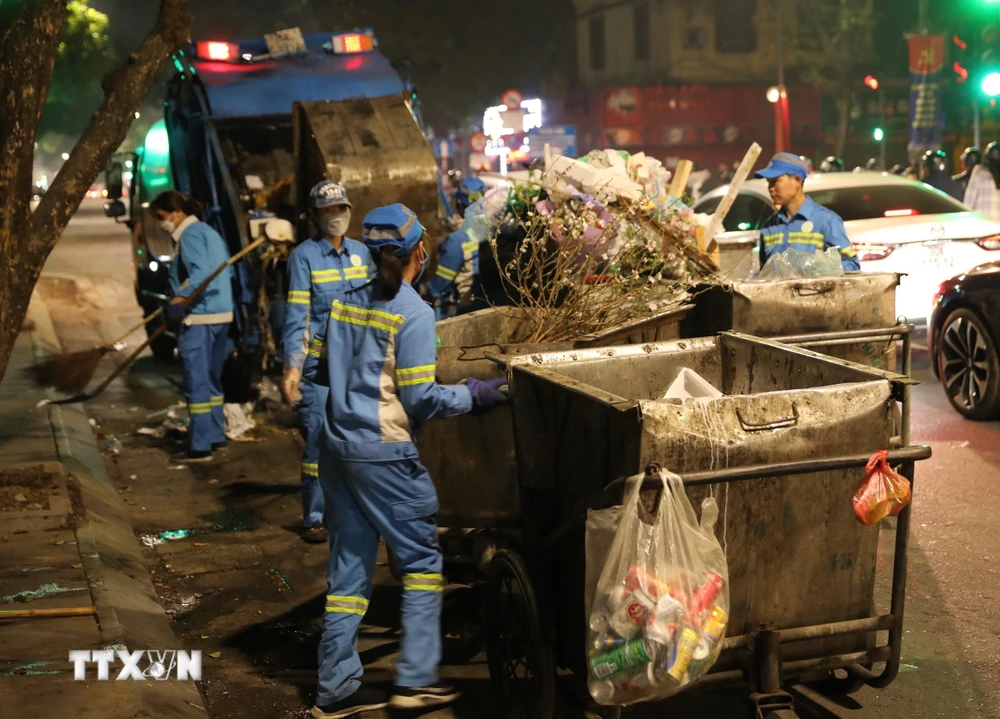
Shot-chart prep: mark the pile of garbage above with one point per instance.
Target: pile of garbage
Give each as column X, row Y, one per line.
column 592, row 242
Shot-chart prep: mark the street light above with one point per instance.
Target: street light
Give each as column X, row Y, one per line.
column 773, row 94
column 65, row 156
column 136, row 115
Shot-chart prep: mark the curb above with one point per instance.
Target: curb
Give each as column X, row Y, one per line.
column 129, row 613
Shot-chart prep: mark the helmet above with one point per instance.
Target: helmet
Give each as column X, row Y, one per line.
column 992, row 162
column 897, row 169
column 872, row 164
column 809, row 163
column 935, row 161
column 971, row 157
column 832, row 164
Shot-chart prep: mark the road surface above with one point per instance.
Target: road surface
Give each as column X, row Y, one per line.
column 242, row 586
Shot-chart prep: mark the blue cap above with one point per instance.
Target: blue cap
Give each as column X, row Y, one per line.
column 328, row 194
column 784, row 163
column 393, row 226
column 468, row 187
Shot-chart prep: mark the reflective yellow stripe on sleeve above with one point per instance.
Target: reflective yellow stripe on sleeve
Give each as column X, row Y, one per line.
column 408, row 376
column 310, row 469
column 366, row 317
column 446, row 274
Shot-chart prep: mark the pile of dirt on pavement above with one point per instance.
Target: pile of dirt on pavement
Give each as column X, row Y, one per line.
column 26, row 489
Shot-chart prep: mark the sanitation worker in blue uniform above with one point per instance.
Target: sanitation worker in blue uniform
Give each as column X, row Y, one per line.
column 458, row 255
column 320, row 270
column 378, row 356
column 203, row 335
column 799, row 223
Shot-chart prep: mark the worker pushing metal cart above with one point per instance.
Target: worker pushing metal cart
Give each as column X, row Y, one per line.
column 780, row 450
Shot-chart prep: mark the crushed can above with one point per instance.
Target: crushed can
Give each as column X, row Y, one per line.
column 714, row 627
column 606, row 641
column 700, row 658
column 632, row 614
column 687, row 643
column 634, row 654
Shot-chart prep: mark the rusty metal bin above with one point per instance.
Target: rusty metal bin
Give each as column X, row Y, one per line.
column 856, row 301
column 798, row 558
column 471, row 459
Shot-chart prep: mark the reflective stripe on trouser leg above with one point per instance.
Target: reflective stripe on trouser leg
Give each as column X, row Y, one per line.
column 220, row 341
column 194, row 346
column 310, row 411
column 398, row 498
column 353, row 545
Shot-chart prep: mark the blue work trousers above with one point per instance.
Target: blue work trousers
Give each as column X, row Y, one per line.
column 311, row 410
column 394, row 499
column 202, row 350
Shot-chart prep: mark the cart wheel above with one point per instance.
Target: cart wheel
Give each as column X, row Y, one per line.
column 462, row 624
column 521, row 665
column 835, row 685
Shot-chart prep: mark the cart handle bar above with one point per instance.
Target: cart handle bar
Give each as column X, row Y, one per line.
column 899, row 330
column 781, row 469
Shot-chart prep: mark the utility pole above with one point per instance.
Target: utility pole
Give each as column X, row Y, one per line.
column 922, row 23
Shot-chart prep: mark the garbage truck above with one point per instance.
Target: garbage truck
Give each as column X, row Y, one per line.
column 249, row 127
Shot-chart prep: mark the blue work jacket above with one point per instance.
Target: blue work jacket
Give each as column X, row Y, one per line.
column 200, row 251
column 458, row 263
column 813, row 228
column 378, row 358
column 317, row 274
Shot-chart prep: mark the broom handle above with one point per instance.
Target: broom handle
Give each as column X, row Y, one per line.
column 37, row 613
column 201, row 288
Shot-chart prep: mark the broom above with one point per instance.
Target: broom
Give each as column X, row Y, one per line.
column 72, row 372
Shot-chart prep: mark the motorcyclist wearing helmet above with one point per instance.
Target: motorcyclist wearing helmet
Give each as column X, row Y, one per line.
column 970, row 158
column 832, row 164
column 934, row 172
column 983, row 192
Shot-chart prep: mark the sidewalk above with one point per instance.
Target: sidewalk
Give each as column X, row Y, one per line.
column 66, row 542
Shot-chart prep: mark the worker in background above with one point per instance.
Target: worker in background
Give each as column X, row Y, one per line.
column 458, row 255
column 934, row 172
column 203, row 331
column 983, row 192
column 320, row 270
column 799, row 223
column 378, row 357
column 970, row 158
column 831, row 164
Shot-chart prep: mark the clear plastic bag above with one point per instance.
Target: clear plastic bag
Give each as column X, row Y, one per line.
column 883, row 492
column 660, row 607
column 793, row 264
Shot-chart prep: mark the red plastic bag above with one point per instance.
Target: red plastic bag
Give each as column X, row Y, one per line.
column 883, row 492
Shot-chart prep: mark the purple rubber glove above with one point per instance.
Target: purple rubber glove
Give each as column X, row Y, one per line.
column 175, row 313
column 486, row 394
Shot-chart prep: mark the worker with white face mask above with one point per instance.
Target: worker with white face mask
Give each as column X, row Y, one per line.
column 320, row 270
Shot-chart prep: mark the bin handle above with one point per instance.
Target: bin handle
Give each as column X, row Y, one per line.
column 807, row 291
column 775, row 424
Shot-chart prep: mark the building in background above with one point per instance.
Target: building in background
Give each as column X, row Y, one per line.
column 685, row 79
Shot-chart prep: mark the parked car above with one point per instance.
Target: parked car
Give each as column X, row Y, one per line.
column 962, row 337
column 896, row 225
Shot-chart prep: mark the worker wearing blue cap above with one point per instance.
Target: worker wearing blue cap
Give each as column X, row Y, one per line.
column 799, row 223
column 321, row 269
column 458, row 255
column 378, row 356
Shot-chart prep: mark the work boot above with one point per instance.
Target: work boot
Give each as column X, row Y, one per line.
column 365, row 699
column 435, row 695
column 191, row 456
column 220, row 446
column 315, row 535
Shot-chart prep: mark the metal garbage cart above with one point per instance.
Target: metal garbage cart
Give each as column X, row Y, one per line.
column 782, row 451
column 819, row 307
column 471, row 459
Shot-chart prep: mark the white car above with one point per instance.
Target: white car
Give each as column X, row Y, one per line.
column 896, row 225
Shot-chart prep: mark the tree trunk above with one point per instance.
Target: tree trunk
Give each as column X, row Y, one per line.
column 29, row 41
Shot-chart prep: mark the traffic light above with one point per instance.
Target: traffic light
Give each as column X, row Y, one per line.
column 878, row 134
column 871, row 82
column 991, row 84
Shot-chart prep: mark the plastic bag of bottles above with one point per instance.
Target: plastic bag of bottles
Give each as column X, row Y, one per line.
column 660, row 607
column 794, row 264
column 883, row 492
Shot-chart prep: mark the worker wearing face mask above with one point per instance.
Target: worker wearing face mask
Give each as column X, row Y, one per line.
column 320, row 270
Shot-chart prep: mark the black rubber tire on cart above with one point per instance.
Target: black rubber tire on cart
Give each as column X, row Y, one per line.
column 520, row 662
column 837, row 686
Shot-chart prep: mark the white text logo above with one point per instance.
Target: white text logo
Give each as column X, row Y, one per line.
column 140, row 665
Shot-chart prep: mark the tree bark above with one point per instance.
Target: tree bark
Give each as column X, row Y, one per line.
column 29, row 41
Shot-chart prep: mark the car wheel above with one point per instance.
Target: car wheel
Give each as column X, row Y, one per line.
column 968, row 365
